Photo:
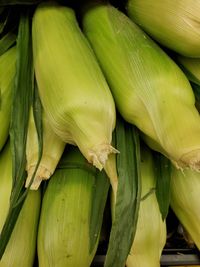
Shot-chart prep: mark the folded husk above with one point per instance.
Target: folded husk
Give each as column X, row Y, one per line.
column 53, row 148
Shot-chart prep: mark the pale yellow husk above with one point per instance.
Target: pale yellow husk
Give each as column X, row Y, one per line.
column 185, row 192
column 72, row 88
column 150, row 236
column 53, row 148
column 175, row 24
column 21, row 248
column 7, row 74
column 149, row 89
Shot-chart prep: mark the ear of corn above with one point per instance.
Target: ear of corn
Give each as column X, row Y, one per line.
column 53, row 148
column 73, row 91
column 21, row 247
column 71, row 214
column 7, row 73
column 150, row 234
column 149, row 89
column 185, row 191
column 174, row 24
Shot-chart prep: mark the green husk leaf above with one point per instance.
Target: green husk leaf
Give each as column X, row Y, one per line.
column 128, row 194
column 163, row 177
column 19, row 124
column 100, row 194
column 6, row 42
column 37, row 114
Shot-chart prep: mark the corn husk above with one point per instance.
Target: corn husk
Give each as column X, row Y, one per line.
column 150, row 236
column 175, row 24
column 53, row 148
column 7, row 74
column 72, row 213
column 149, row 89
column 191, row 66
column 5, row 182
column 185, row 190
column 73, row 91
column 21, row 248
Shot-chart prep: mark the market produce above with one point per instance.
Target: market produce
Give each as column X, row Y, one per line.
column 21, row 247
column 72, row 212
column 69, row 69
column 175, row 24
column 7, row 74
column 150, row 236
column 72, row 88
column 185, row 191
column 53, row 148
column 149, row 89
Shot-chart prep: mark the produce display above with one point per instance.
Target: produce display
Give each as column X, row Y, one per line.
column 100, row 130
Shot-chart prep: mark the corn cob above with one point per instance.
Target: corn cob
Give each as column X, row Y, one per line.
column 73, row 91
column 149, row 89
column 21, row 247
column 175, row 24
column 7, row 73
column 71, row 214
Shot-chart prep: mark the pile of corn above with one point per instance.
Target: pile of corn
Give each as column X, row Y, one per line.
column 94, row 97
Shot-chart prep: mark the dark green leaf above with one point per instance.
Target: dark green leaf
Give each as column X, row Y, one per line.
column 163, row 175
column 6, row 42
column 19, row 124
column 100, row 194
column 128, row 194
